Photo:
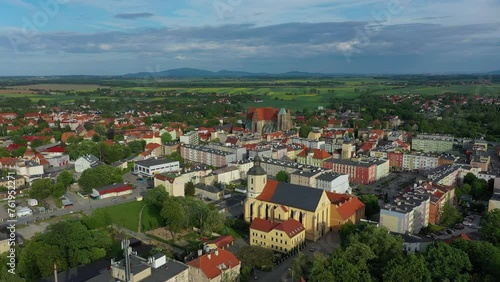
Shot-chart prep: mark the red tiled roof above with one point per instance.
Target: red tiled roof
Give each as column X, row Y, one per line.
column 267, row 113
column 152, row 146
column 262, row 225
column 321, row 154
column 55, row 149
column 66, row 135
column 210, row 266
column 268, row 191
column 291, row 227
column 115, row 189
column 222, row 241
column 454, row 238
column 8, row 161
column 347, row 205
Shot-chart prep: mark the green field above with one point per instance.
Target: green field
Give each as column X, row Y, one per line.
column 127, row 215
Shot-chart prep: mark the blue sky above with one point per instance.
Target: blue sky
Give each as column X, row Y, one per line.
column 109, row 37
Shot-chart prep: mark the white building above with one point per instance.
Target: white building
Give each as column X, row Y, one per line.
column 58, row 161
column 85, row 162
column 154, row 166
column 243, row 166
column 191, row 138
column 333, row 182
column 32, row 202
column 408, row 213
column 227, row 174
column 23, row 211
column 30, row 170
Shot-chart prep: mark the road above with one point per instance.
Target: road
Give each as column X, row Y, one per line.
column 85, row 205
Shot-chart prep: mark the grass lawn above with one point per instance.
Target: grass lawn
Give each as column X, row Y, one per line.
column 436, row 228
column 127, row 215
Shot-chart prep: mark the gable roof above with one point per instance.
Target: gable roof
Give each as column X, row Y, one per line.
column 347, row 205
column 210, row 263
column 291, row 227
column 291, row 195
column 222, row 241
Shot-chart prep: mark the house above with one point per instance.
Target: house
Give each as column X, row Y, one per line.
column 221, row 242
column 30, row 170
column 8, row 181
column 23, row 211
column 211, row 192
column 152, row 150
column 314, row 157
column 281, row 237
column 227, row 174
column 216, row 266
column 114, row 190
column 85, row 162
column 345, row 209
column 154, row 166
column 279, row 201
column 414, row 243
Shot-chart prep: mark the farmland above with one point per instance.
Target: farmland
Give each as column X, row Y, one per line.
column 293, row 93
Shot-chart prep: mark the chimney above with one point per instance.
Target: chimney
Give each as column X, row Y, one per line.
column 216, row 252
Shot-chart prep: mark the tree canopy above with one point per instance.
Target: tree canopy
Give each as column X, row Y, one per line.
column 490, row 227
column 99, row 176
column 282, row 176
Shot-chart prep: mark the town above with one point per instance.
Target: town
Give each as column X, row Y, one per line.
column 162, row 186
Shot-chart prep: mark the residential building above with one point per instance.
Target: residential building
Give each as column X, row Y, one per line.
column 313, row 157
column 150, row 167
column 419, row 161
column 361, row 171
column 114, row 190
column 23, row 211
column 206, row 155
column 494, row 202
column 85, row 162
column 58, row 161
column 211, row 192
column 190, row 138
column 262, row 152
column 221, row 242
column 450, row 175
column 306, row 178
column 243, row 166
column 240, row 152
column 217, row 266
column 281, row 237
column 30, row 170
column 407, row 213
column 413, row 243
column 344, row 209
column 173, row 183
column 268, row 120
column 333, row 182
column 272, row 166
column 227, row 174
column 279, row 201
column 18, row 180
column 432, row 143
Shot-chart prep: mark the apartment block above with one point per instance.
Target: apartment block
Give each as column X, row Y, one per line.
column 306, row 178
column 190, row 138
column 360, row 171
column 432, row 143
column 407, row 213
column 206, row 155
column 240, row 152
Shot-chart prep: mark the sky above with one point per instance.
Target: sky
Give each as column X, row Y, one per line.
column 114, row 37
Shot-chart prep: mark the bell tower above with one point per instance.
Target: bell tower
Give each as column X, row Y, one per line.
column 257, row 179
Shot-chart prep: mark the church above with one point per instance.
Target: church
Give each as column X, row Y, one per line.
column 278, row 201
column 268, row 120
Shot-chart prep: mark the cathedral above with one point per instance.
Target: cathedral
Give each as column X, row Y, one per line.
column 268, row 120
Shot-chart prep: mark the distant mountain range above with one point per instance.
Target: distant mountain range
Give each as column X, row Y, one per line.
column 191, row 72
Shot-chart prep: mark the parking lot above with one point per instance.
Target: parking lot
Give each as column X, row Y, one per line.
column 469, row 227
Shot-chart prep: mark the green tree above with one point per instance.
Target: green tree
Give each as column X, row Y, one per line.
column 411, row 267
column 304, row 131
column 65, row 178
column 41, row 188
column 490, row 227
column 214, row 221
column 447, row 263
column 99, row 176
column 166, row 138
column 156, row 196
column 174, row 216
column 189, row 189
column 282, row 176
column 256, row 257
column 450, row 215
column 484, row 256
column 371, row 203
column 137, row 146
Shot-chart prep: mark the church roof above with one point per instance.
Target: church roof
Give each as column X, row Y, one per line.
column 291, row 195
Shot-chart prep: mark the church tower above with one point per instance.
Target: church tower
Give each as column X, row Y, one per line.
column 257, row 179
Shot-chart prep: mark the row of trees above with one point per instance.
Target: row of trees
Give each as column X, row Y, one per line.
column 43, row 188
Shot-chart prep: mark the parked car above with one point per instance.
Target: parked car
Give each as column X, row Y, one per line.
column 312, row 249
column 459, row 226
column 449, row 231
